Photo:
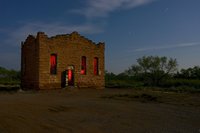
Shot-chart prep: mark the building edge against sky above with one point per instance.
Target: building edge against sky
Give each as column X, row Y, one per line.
column 62, row 61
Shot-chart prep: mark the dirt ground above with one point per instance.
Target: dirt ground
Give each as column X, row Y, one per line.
column 99, row 111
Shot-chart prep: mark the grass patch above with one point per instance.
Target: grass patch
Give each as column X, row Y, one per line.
column 183, row 83
column 139, row 97
column 123, row 84
column 9, row 88
column 156, row 96
column 10, row 82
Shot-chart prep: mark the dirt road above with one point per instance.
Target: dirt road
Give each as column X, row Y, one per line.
column 99, row 111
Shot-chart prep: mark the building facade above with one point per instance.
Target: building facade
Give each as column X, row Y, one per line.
column 61, row 61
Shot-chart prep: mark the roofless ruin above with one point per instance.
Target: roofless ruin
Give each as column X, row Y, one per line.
column 61, row 61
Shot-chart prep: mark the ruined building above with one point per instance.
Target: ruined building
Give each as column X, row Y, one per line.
column 61, row 61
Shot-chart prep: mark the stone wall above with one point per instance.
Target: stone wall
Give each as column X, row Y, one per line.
column 69, row 49
column 30, row 63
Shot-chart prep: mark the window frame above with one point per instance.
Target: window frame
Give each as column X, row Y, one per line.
column 53, row 68
column 83, row 65
column 96, row 66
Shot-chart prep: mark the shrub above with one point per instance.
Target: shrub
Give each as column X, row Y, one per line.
column 123, row 84
column 182, row 83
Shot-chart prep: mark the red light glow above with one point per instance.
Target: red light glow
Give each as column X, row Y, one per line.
column 53, row 64
column 70, row 75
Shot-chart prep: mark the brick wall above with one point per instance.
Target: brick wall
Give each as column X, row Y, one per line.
column 69, row 49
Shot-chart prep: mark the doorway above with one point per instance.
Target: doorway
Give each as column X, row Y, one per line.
column 67, row 78
column 70, row 77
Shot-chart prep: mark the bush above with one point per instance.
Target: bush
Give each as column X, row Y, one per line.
column 9, row 82
column 184, row 83
column 9, row 77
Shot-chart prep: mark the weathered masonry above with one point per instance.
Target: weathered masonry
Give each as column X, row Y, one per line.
column 61, row 61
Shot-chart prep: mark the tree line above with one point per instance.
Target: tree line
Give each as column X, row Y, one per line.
column 155, row 71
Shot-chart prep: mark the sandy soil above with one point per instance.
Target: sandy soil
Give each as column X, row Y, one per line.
column 99, row 111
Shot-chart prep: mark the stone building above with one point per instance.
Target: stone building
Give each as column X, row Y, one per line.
column 61, row 61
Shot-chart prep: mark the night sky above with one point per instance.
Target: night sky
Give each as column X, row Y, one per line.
column 130, row 28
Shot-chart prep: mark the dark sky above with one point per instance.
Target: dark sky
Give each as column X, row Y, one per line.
column 130, row 28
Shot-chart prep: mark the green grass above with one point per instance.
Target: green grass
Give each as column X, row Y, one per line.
column 173, row 85
column 9, row 85
column 123, row 84
column 191, row 83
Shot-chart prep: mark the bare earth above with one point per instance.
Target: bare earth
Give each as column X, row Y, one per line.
column 99, row 111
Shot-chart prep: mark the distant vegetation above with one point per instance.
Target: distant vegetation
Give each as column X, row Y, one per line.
column 9, row 77
column 156, row 72
column 149, row 72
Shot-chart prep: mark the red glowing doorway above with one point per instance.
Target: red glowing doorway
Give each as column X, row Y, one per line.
column 70, row 76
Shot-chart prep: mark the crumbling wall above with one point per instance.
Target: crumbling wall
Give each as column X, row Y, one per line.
column 69, row 49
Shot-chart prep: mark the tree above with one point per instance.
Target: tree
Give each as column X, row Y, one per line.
column 153, row 69
column 109, row 76
column 190, row 73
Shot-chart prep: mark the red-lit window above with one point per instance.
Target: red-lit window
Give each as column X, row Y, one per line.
column 53, row 62
column 83, row 65
column 96, row 66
